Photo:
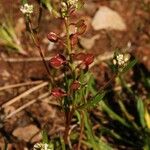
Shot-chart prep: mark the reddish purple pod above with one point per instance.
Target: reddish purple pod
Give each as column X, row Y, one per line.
column 75, row 85
column 89, row 58
column 58, row 92
column 78, row 56
column 53, row 37
column 86, row 58
column 57, row 61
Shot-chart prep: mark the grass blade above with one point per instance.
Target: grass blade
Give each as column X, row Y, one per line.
column 141, row 111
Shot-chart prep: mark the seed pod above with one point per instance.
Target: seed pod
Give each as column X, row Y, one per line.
column 53, row 37
column 75, row 85
column 86, row 58
column 89, row 58
column 78, row 56
column 57, row 61
column 58, row 92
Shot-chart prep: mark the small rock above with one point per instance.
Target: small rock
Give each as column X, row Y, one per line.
column 5, row 74
column 36, row 138
column 2, row 143
column 20, row 26
column 26, row 133
column 143, row 54
column 88, row 43
column 106, row 18
column 51, row 45
column 8, row 110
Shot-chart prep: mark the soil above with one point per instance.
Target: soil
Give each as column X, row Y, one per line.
column 40, row 114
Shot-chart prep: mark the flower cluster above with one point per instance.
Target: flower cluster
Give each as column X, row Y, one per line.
column 26, row 9
column 42, row 146
column 73, row 3
column 121, row 59
column 68, row 7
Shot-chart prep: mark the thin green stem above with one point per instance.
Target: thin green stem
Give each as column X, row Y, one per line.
column 90, row 133
column 68, row 35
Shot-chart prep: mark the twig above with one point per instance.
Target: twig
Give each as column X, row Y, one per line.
column 20, row 84
column 24, row 94
column 108, row 83
column 47, row 100
column 102, row 57
column 27, row 105
column 37, row 44
column 71, row 129
column 32, row 59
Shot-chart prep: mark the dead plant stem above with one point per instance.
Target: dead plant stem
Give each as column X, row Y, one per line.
column 36, row 42
column 24, row 94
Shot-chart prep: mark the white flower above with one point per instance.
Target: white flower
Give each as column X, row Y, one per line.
column 114, row 62
column 26, row 9
column 126, row 57
column 42, row 146
column 73, row 3
column 121, row 59
column 64, row 6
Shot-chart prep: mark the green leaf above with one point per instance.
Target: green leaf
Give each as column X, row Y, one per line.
column 48, row 5
column 129, row 65
column 89, row 132
column 95, row 100
column 80, row 4
column 44, row 136
column 141, row 111
column 5, row 146
column 104, row 146
column 62, row 143
column 24, row 2
column 112, row 114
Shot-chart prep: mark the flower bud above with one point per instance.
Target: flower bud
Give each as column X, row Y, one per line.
column 58, row 92
column 57, row 61
column 53, row 37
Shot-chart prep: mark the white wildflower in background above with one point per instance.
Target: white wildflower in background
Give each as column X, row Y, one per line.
column 26, row 9
column 121, row 59
column 63, row 9
column 42, row 146
column 64, row 6
column 73, row 3
column 68, row 4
